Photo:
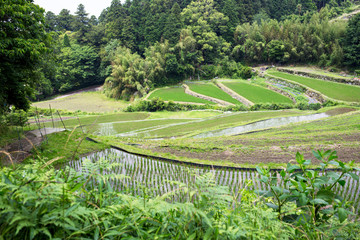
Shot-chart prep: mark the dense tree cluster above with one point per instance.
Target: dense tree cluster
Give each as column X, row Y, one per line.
column 136, row 45
column 23, row 40
column 315, row 40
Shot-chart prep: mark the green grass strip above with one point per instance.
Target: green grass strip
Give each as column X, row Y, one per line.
column 176, row 94
column 256, row 94
column 209, row 89
column 338, row 91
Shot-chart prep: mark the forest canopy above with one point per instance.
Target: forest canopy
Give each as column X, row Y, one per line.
column 166, row 41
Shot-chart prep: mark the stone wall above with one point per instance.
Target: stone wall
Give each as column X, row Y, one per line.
column 353, row 81
column 311, row 93
column 282, row 92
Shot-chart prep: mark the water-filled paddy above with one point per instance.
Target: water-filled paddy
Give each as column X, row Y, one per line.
column 154, row 177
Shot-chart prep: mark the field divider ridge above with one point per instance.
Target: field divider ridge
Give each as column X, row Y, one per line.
column 308, row 91
column 208, row 98
column 201, row 165
column 234, row 94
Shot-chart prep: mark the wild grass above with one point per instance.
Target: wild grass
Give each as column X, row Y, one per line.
column 66, row 145
column 85, row 101
column 176, row 94
column 209, row 89
column 256, row 94
column 338, row 91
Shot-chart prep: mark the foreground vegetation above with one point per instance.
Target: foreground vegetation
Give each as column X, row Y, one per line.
column 40, row 202
column 176, row 94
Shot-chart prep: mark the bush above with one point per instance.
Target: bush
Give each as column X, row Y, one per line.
column 307, row 198
column 15, row 118
column 38, row 202
column 306, row 106
column 270, row 106
column 329, row 103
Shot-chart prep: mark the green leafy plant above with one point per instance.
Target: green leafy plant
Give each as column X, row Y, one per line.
column 306, row 197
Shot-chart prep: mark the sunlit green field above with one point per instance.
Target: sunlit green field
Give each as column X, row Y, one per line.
column 211, row 90
column 86, row 102
column 176, row 94
column 338, row 91
column 256, row 94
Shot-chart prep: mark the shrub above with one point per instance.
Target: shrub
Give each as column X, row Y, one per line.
column 306, row 198
column 15, row 118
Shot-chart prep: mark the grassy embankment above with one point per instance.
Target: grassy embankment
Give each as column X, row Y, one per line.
column 319, row 72
column 256, row 94
column 209, row 89
column 176, row 94
column 337, row 91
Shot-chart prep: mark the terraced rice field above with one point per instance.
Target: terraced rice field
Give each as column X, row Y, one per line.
column 209, row 89
column 108, row 129
column 176, row 94
column 337, row 91
column 69, row 123
column 215, row 123
column 256, row 94
column 146, row 176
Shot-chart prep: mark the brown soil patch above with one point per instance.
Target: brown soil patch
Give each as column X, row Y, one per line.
column 281, row 150
column 20, row 149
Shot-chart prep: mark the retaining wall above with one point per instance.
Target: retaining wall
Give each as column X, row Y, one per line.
column 353, row 81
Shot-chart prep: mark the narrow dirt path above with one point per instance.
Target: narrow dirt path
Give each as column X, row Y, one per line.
column 19, row 150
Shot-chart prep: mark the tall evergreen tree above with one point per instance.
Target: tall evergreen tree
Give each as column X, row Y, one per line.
column 81, row 23
column 173, row 25
column 51, row 21
column 64, row 20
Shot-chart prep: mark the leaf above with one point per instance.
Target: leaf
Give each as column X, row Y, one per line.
column 208, row 234
column 319, row 201
column 318, row 154
column 342, row 213
column 282, row 173
column 299, row 158
column 271, row 205
column 302, row 200
column 192, row 236
column 342, row 182
column 325, row 195
column 96, row 234
column 292, row 168
column 354, row 176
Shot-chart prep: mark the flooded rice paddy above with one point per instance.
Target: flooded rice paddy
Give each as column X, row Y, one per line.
column 150, row 177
